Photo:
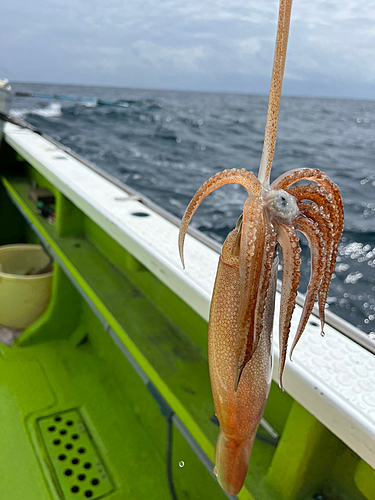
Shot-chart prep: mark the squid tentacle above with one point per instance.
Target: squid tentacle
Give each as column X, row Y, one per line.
column 316, row 240
column 265, row 276
column 290, row 248
column 289, row 178
column 237, row 176
column 333, row 195
column 250, row 260
column 256, row 322
column 250, row 264
column 319, row 196
column 330, row 194
column 322, row 222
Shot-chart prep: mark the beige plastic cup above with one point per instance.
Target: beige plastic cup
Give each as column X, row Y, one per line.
column 24, row 296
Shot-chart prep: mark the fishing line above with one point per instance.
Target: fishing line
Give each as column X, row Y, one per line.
column 168, row 456
column 168, row 414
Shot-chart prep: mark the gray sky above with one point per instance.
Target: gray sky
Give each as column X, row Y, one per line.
column 210, row 45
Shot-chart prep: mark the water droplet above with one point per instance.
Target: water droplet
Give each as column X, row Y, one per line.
column 181, row 464
column 215, row 471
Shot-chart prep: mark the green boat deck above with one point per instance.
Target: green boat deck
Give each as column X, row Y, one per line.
column 113, row 349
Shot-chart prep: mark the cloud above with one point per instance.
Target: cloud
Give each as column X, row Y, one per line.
column 335, row 40
column 222, row 10
column 213, row 44
column 247, row 46
column 184, row 59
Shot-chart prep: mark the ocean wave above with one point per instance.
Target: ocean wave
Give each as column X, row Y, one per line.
column 88, row 104
column 52, row 110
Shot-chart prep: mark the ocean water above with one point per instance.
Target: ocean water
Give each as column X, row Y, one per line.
column 166, row 144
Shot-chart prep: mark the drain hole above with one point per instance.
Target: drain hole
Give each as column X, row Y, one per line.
column 62, row 457
column 75, row 461
column 57, row 441
column 81, row 477
column 313, row 323
column 69, row 446
column 57, row 419
column 88, row 493
column 52, row 428
column 140, row 214
column 68, row 472
column 75, row 436
column 74, row 489
column 87, row 465
column 81, row 450
column 69, row 422
column 95, row 482
column 62, row 432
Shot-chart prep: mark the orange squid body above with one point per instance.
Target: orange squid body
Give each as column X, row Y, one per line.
column 242, row 305
column 239, row 412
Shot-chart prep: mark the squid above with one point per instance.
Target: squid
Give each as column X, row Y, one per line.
column 242, row 304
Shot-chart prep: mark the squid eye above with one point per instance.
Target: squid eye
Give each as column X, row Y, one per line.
column 281, row 205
